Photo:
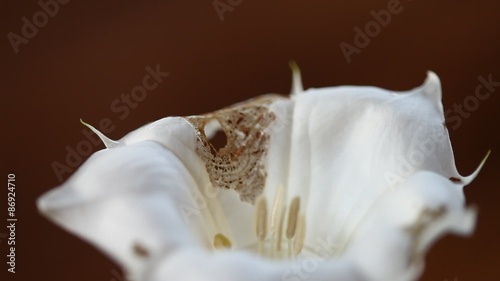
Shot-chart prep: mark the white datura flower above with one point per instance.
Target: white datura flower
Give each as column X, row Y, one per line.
column 339, row 183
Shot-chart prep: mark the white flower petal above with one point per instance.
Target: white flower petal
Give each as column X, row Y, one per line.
column 396, row 233
column 236, row 213
column 278, row 158
column 125, row 201
column 195, row 265
column 349, row 145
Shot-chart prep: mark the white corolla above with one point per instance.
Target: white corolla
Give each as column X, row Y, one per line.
column 339, row 183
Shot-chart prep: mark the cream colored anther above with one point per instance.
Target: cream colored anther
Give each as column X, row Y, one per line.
column 291, row 227
column 293, row 214
column 261, row 221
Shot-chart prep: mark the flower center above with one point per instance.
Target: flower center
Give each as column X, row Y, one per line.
column 280, row 232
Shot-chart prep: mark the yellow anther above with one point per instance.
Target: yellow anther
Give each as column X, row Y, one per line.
column 221, row 242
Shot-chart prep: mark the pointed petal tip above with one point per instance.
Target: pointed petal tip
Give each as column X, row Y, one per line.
column 109, row 143
column 471, row 177
column 52, row 200
column 297, row 87
column 41, row 205
column 432, row 86
column 293, row 65
column 432, row 77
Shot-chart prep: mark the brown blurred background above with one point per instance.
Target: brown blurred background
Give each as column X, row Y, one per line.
column 91, row 52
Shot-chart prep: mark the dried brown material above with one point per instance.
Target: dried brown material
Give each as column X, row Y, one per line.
column 140, row 250
column 239, row 165
column 455, row 180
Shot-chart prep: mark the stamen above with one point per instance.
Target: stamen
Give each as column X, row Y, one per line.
column 291, row 227
column 273, row 246
column 280, row 229
column 221, row 242
column 293, row 214
column 276, row 208
column 301, row 235
column 261, row 221
column 276, row 219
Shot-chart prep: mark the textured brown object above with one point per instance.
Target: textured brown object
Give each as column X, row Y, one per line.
column 239, row 165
